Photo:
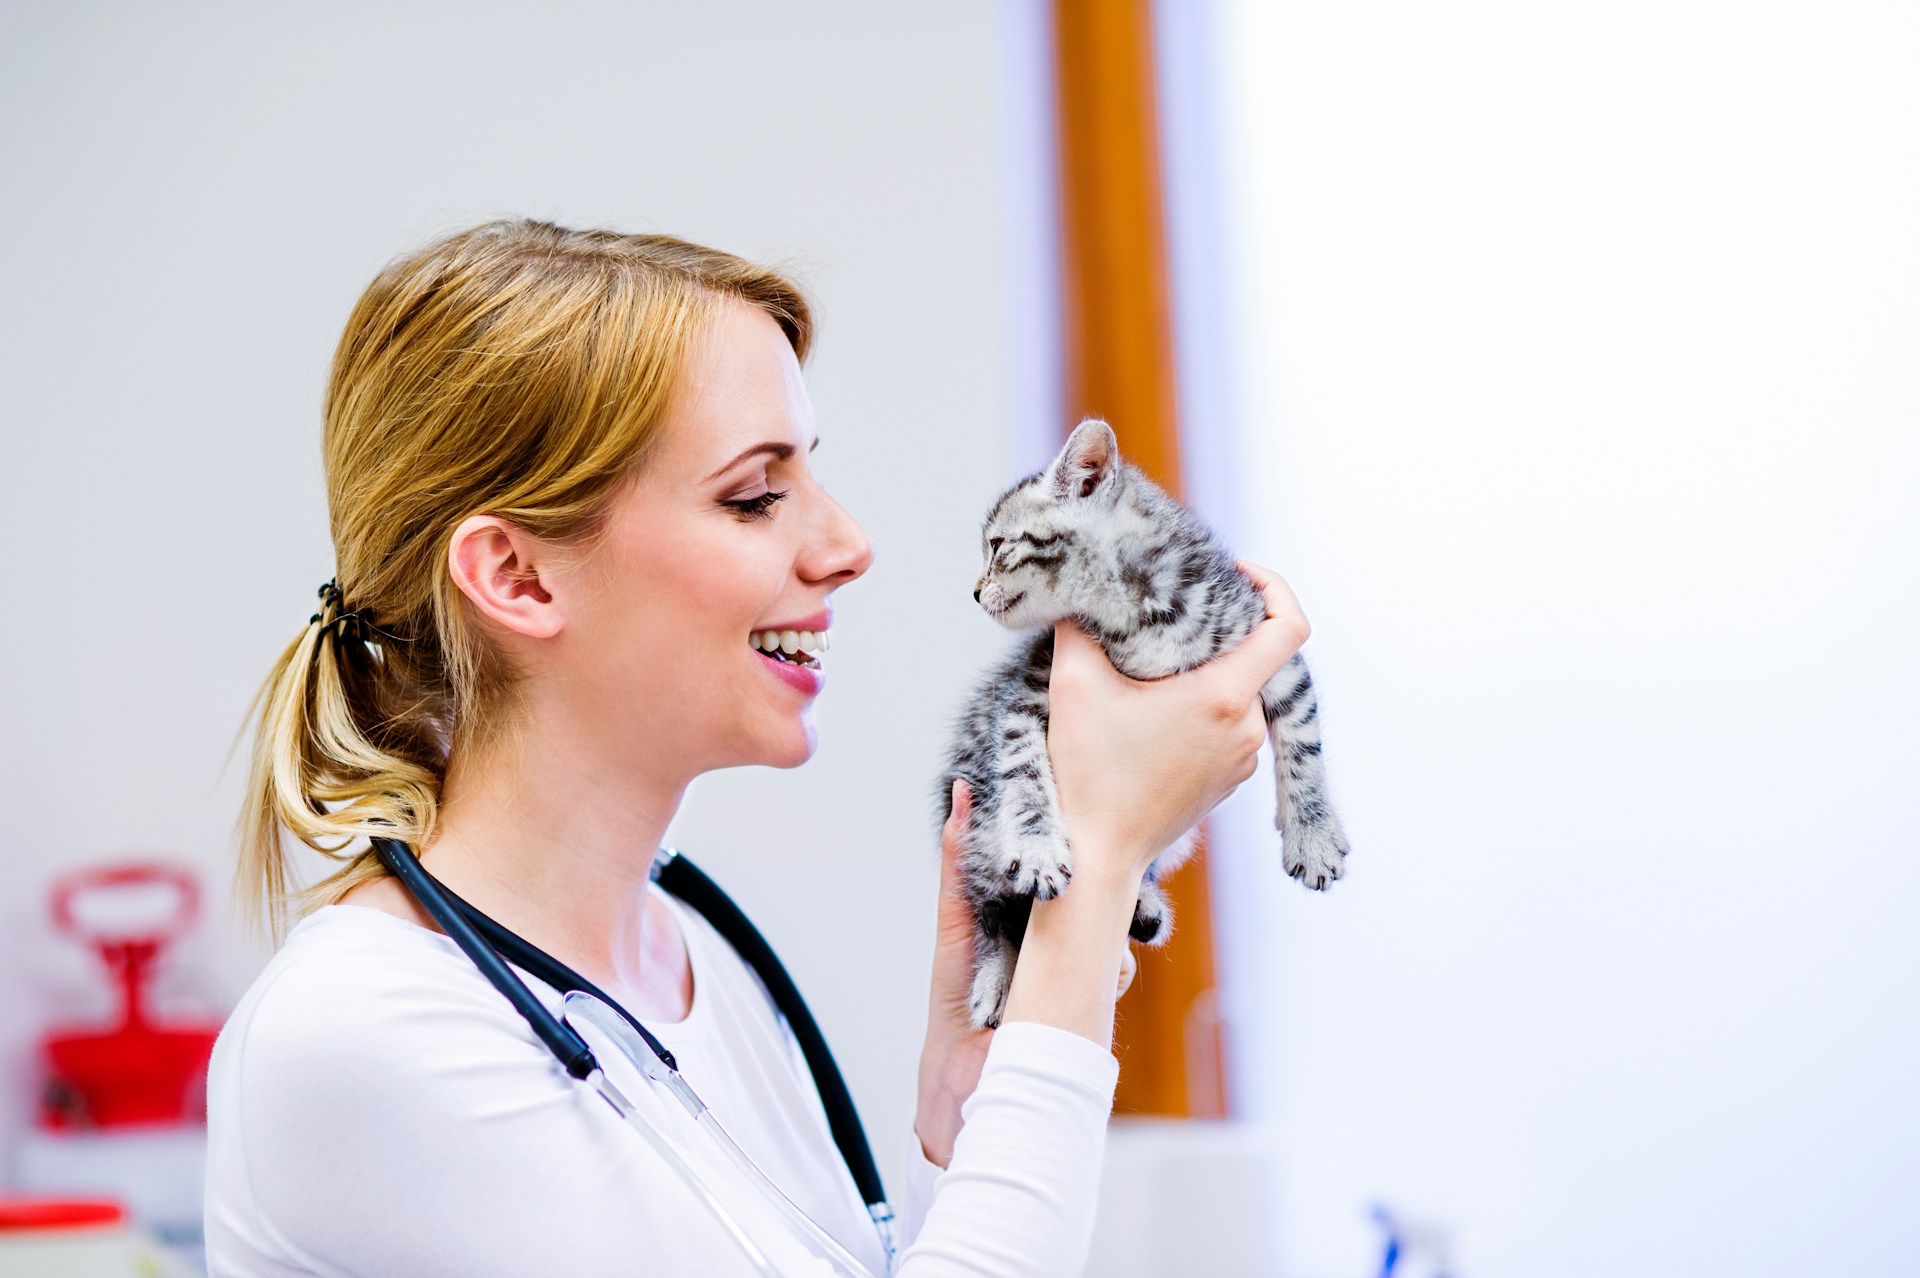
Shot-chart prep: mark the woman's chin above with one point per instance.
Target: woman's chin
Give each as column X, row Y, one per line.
column 794, row 746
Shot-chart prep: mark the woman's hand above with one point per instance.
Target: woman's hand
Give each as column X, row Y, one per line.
column 1136, row 764
column 955, row 1051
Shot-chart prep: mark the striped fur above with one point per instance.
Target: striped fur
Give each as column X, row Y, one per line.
column 1092, row 538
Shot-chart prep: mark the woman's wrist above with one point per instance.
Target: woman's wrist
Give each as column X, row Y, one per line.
column 1111, row 862
column 1071, row 955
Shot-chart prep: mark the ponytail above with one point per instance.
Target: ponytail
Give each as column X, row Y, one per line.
column 327, row 771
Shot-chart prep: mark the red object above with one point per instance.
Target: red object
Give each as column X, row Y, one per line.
column 27, row 1215
column 135, row 1073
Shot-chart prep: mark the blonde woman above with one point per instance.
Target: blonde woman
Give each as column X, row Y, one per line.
column 567, row 473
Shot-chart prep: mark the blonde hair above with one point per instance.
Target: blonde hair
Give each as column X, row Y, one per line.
column 517, row 369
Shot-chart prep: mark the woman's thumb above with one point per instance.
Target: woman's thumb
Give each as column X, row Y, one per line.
column 1075, row 650
column 953, row 839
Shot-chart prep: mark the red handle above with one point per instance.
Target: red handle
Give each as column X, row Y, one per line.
column 78, row 883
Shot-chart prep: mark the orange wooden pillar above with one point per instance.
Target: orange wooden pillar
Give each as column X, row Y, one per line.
column 1118, row 364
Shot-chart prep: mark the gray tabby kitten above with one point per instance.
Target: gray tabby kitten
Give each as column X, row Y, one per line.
column 1092, row 538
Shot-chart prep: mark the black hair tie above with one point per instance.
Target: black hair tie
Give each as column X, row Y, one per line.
column 354, row 624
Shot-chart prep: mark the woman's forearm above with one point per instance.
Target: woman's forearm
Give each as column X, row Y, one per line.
column 1026, row 1170
column 1070, row 958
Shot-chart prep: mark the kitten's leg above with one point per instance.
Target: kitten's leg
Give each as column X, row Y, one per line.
column 1314, row 846
column 1153, row 913
column 1028, row 836
column 992, row 978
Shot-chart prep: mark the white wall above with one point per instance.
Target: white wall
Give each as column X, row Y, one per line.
column 197, row 193
column 1577, row 400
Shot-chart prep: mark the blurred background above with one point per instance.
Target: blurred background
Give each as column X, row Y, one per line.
column 1561, row 356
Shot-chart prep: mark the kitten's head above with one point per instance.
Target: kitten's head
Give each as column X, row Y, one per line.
column 1049, row 541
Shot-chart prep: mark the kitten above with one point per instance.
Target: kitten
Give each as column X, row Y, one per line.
column 1092, row 538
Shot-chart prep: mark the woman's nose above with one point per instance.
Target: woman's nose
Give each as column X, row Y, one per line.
column 846, row 551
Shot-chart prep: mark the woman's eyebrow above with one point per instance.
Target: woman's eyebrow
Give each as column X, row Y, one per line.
column 782, row 451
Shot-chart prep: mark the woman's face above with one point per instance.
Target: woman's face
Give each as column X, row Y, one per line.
column 723, row 536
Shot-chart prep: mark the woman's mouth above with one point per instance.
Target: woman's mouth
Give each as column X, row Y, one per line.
column 793, row 655
column 799, row 647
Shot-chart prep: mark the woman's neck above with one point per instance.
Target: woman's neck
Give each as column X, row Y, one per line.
column 555, row 843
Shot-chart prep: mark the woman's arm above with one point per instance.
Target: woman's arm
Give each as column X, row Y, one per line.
column 954, row 1052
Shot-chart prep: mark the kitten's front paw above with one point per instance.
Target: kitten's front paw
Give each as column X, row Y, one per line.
column 1038, row 868
column 1316, row 855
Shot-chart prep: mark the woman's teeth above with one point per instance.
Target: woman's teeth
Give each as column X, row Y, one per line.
column 792, row 645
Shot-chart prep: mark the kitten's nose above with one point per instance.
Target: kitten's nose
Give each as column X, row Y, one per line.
column 976, row 594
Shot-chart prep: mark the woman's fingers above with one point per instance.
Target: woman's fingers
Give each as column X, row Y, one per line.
column 959, row 804
column 1278, row 594
column 1272, row 643
column 1129, row 966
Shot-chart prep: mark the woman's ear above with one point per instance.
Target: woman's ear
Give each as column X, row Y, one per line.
column 497, row 566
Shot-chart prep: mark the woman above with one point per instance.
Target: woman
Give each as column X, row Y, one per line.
column 568, row 483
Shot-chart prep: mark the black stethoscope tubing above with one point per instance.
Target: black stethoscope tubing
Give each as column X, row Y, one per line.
column 491, row 947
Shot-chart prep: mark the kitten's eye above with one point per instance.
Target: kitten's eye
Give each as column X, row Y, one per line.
column 993, row 545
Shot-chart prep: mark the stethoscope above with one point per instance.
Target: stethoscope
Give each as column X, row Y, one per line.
column 492, row 947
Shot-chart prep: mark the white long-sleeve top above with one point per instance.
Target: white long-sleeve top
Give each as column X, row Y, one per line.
column 376, row 1107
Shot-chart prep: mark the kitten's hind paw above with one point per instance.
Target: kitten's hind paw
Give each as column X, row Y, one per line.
column 1152, row 916
column 988, row 1001
column 1316, row 855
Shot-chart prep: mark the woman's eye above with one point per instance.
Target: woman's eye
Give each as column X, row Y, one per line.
column 760, row 507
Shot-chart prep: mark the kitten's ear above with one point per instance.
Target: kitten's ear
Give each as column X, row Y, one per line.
column 1088, row 464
